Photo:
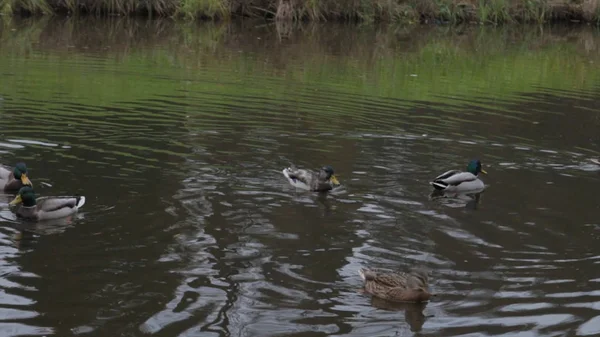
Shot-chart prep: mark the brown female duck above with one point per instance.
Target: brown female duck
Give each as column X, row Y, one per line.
column 397, row 286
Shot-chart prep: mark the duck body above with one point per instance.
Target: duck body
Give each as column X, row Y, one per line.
column 45, row 208
column 12, row 179
column 461, row 181
column 395, row 285
column 309, row 180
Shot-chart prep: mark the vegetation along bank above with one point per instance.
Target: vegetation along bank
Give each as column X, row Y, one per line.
column 401, row 11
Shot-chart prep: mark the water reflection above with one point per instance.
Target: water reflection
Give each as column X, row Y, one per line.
column 413, row 312
column 178, row 134
column 17, row 301
column 466, row 200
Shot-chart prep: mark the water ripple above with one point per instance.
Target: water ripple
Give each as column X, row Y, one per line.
column 191, row 230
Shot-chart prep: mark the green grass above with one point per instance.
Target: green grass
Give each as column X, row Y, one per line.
column 496, row 11
column 535, row 11
column 8, row 7
column 493, row 12
column 204, row 8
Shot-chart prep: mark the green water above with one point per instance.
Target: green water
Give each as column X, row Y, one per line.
column 177, row 133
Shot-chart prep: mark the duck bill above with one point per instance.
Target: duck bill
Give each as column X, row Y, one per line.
column 25, row 180
column 334, row 180
column 483, row 171
column 16, row 201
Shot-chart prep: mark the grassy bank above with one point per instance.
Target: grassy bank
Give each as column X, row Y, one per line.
column 405, row 11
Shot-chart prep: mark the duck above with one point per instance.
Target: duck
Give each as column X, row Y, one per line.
column 461, row 181
column 309, row 180
column 12, row 179
column 45, row 208
column 397, row 286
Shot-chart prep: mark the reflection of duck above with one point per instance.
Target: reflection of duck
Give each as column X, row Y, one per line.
column 27, row 232
column 325, row 202
column 460, row 181
column 396, row 286
column 11, row 180
column 595, row 161
column 413, row 312
column 468, row 200
column 45, row 208
column 309, row 180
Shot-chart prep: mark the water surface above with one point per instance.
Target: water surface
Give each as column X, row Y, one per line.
column 177, row 134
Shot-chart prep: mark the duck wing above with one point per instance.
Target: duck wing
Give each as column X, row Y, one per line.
column 454, row 177
column 446, row 175
column 5, row 172
column 384, row 278
column 461, row 177
column 58, row 204
column 304, row 176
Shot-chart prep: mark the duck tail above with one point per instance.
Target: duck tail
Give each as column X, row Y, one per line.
column 80, row 201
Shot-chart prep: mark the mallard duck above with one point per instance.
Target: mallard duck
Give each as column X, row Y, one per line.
column 309, row 180
column 459, row 181
column 11, row 180
column 395, row 285
column 45, row 208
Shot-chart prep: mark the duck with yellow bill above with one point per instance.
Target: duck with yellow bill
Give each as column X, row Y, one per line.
column 45, row 208
column 321, row 181
column 12, row 179
column 457, row 181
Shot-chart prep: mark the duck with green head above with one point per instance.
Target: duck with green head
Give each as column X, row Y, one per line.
column 45, row 208
column 321, row 181
column 460, row 181
column 12, row 179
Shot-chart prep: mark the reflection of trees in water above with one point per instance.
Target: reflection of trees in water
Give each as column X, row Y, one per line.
column 128, row 35
column 310, row 54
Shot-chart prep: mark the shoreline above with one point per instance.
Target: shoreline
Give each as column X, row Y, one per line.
column 482, row 12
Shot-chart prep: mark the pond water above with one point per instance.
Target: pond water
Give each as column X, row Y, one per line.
column 177, row 133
